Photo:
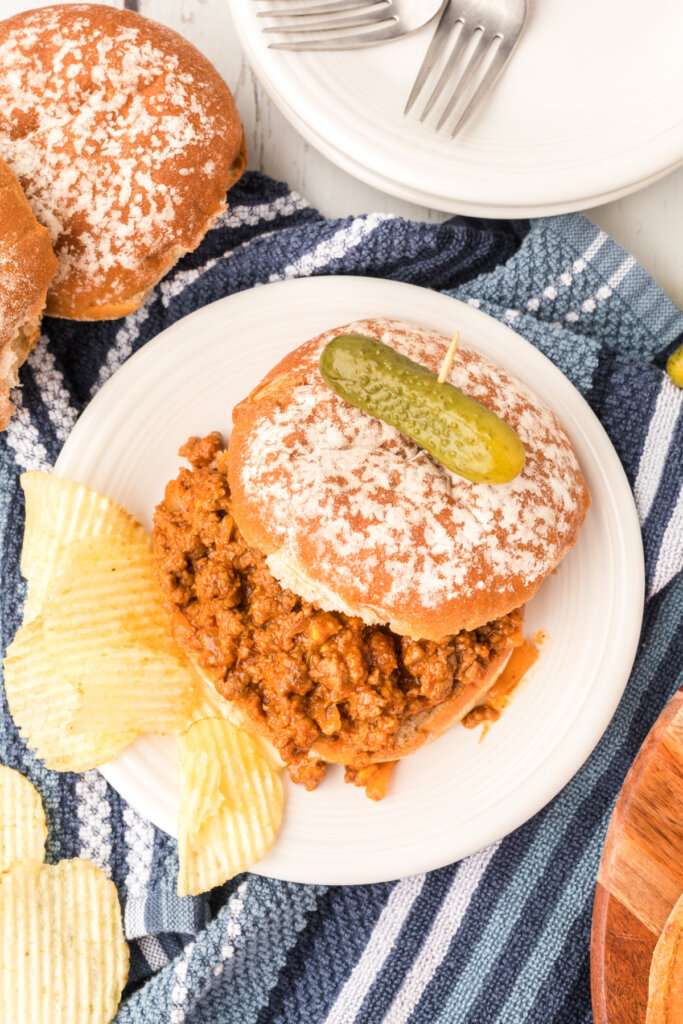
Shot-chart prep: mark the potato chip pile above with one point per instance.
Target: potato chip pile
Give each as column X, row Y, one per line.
column 64, row 956
column 82, row 675
column 94, row 665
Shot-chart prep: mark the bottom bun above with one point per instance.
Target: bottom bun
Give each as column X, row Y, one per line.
column 421, row 729
column 416, row 732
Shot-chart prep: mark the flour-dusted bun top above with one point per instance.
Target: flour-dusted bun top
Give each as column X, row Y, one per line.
column 124, row 139
column 355, row 516
column 27, row 265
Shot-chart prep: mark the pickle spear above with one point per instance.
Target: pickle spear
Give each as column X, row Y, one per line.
column 458, row 431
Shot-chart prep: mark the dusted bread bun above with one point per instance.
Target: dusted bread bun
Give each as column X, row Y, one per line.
column 27, row 265
column 665, row 1002
column 124, row 139
column 355, row 517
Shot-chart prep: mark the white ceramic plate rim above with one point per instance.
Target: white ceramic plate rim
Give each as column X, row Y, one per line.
column 464, row 207
column 603, row 182
column 85, row 451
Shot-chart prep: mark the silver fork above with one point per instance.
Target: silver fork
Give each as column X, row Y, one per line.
column 331, row 25
column 486, row 29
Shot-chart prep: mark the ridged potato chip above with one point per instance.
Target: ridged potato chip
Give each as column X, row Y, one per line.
column 131, row 687
column 22, row 821
column 105, row 594
column 230, row 805
column 43, row 703
column 210, row 704
column 57, row 513
column 64, row 958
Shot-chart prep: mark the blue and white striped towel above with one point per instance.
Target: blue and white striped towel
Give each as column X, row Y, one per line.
column 503, row 936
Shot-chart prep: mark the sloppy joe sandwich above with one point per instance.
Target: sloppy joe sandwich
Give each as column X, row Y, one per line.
column 124, row 139
column 27, row 265
column 350, row 596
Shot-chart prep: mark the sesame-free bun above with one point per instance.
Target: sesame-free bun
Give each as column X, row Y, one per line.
column 415, row 732
column 356, row 517
column 665, row 998
column 27, row 265
column 124, row 139
column 420, row 729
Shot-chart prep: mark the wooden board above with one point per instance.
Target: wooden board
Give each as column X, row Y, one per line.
column 641, row 873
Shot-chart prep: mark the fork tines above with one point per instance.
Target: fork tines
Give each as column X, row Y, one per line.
column 334, row 24
column 467, row 71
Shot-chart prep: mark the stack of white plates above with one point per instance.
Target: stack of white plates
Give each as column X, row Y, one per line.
column 588, row 110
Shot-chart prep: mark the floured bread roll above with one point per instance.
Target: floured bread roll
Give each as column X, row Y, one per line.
column 355, row 516
column 125, row 140
column 665, row 1002
column 27, row 265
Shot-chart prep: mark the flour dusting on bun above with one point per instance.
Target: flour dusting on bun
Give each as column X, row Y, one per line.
column 354, row 515
column 124, row 139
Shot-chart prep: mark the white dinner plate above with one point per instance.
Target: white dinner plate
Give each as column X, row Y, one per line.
column 459, row 794
column 587, row 110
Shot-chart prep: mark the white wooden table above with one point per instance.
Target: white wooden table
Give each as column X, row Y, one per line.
column 649, row 223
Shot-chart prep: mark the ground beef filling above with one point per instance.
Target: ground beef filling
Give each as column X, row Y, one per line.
column 302, row 671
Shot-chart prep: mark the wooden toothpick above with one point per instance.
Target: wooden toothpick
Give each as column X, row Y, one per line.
column 448, row 360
